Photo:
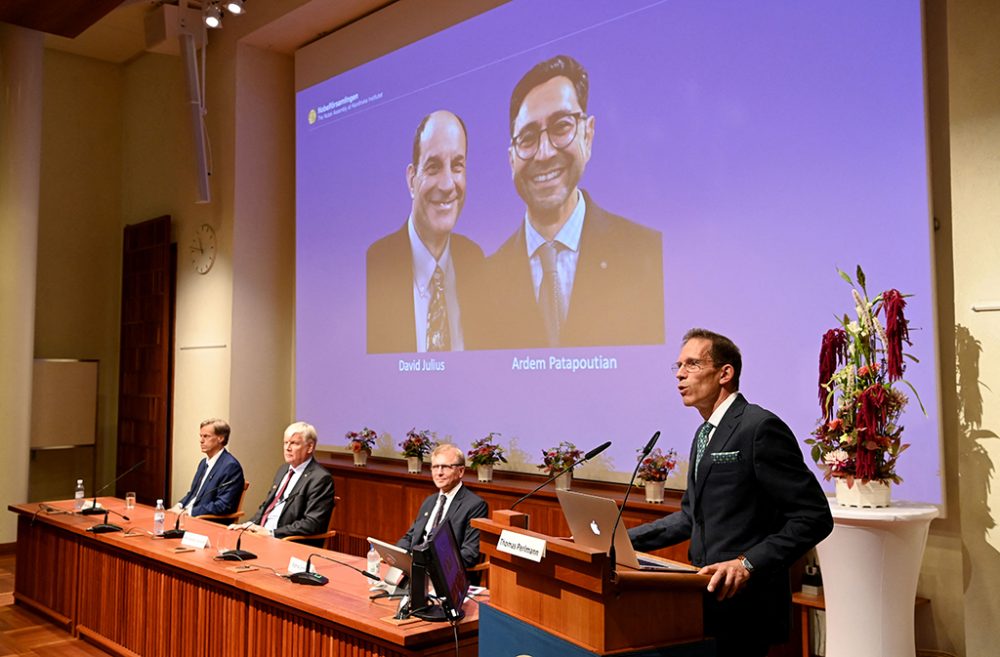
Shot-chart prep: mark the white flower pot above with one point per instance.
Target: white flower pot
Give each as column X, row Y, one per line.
column 360, row 459
column 654, row 491
column 870, row 495
column 484, row 472
column 414, row 464
column 564, row 481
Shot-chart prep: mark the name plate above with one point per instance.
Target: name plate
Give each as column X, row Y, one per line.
column 296, row 565
column 520, row 545
column 192, row 540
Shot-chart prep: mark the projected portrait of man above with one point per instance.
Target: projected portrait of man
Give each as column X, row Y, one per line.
column 421, row 278
column 572, row 274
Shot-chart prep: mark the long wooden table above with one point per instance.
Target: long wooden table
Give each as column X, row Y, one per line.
column 137, row 596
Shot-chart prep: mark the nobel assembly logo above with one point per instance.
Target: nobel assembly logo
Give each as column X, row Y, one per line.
column 340, row 106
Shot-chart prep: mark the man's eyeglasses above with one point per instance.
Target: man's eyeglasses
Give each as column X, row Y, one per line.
column 689, row 366
column 560, row 128
column 446, row 466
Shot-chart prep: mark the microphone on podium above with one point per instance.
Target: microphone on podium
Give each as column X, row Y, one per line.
column 586, row 457
column 645, row 452
column 312, row 578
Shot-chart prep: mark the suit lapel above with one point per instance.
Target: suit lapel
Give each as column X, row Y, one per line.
column 723, row 433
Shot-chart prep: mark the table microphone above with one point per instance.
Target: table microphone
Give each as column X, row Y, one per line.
column 177, row 532
column 312, row 578
column 645, row 452
column 104, row 527
column 94, row 508
column 586, row 457
column 238, row 554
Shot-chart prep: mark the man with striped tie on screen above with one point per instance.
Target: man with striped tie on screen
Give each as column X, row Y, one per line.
column 421, row 279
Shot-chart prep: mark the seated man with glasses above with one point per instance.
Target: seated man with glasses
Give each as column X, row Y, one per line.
column 453, row 503
column 572, row 274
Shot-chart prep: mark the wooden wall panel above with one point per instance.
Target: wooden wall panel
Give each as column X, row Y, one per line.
column 46, row 570
column 382, row 500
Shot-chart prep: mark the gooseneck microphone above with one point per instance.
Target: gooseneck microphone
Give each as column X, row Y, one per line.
column 645, row 452
column 586, row 457
column 94, row 508
column 238, row 554
column 177, row 532
column 105, row 527
column 312, row 578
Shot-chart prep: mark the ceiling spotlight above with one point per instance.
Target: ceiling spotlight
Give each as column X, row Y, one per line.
column 234, row 7
column 213, row 16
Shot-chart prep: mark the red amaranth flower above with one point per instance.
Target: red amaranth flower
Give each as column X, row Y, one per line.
column 897, row 331
column 832, row 353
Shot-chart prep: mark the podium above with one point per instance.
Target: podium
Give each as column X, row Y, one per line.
column 573, row 603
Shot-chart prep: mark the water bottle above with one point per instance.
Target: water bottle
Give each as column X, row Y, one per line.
column 373, row 560
column 80, row 494
column 158, row 517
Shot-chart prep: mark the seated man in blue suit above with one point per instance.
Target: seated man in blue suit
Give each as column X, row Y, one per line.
column 218, row 482
column 452, row 502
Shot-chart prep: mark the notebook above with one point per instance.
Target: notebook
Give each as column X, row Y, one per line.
column 590, row 519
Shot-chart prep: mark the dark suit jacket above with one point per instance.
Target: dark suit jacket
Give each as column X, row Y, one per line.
column 307, row 506
column 390, row 291
column 617, row 296
column 222, row 490
column 762, row 502
column 466, row 506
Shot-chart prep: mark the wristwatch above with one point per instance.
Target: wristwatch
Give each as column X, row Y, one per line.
column 746, row 563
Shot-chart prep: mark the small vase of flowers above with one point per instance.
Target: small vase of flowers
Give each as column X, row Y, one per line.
column 654, row 470
column 559, row 458
column 416, row 444
column 859, row 437
column 361, row 443
column 485, row 454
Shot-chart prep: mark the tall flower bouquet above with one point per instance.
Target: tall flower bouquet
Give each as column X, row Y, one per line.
column 417, row 443
column 859, row 436
column 361, row 441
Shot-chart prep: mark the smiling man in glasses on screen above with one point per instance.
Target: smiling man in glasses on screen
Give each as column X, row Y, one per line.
column 572, row 274
column 452, row 503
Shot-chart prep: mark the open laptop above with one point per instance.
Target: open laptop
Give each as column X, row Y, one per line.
column 590, row 519
column 400, row 562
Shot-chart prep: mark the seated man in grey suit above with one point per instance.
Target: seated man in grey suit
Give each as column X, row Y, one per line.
column 453, row 503
column 301, row 499
column 422, row 278
column 218, row 481
column 572, row 274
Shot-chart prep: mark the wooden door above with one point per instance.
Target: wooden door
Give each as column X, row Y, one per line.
column 146, row 358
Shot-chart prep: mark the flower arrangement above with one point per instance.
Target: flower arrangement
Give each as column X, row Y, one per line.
column 361, row 441
column 657, row 466
column 486, row 452
column 561, row 456
column 417, row 443
column 859, row 435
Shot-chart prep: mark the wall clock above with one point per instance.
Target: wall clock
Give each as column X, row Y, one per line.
column 203, row 249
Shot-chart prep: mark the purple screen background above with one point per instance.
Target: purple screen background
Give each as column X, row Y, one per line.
column 770, row 142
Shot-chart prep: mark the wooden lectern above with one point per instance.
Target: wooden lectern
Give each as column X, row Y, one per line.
column 573, row 596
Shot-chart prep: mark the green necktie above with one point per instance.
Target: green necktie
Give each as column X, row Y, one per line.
column 701, row 438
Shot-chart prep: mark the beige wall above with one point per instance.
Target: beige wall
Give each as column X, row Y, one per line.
column 974, row 109
column 246, row 302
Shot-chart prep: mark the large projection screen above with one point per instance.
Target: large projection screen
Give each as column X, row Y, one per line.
column 751, row 150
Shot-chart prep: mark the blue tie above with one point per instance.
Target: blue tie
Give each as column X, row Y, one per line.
column 701, row 439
